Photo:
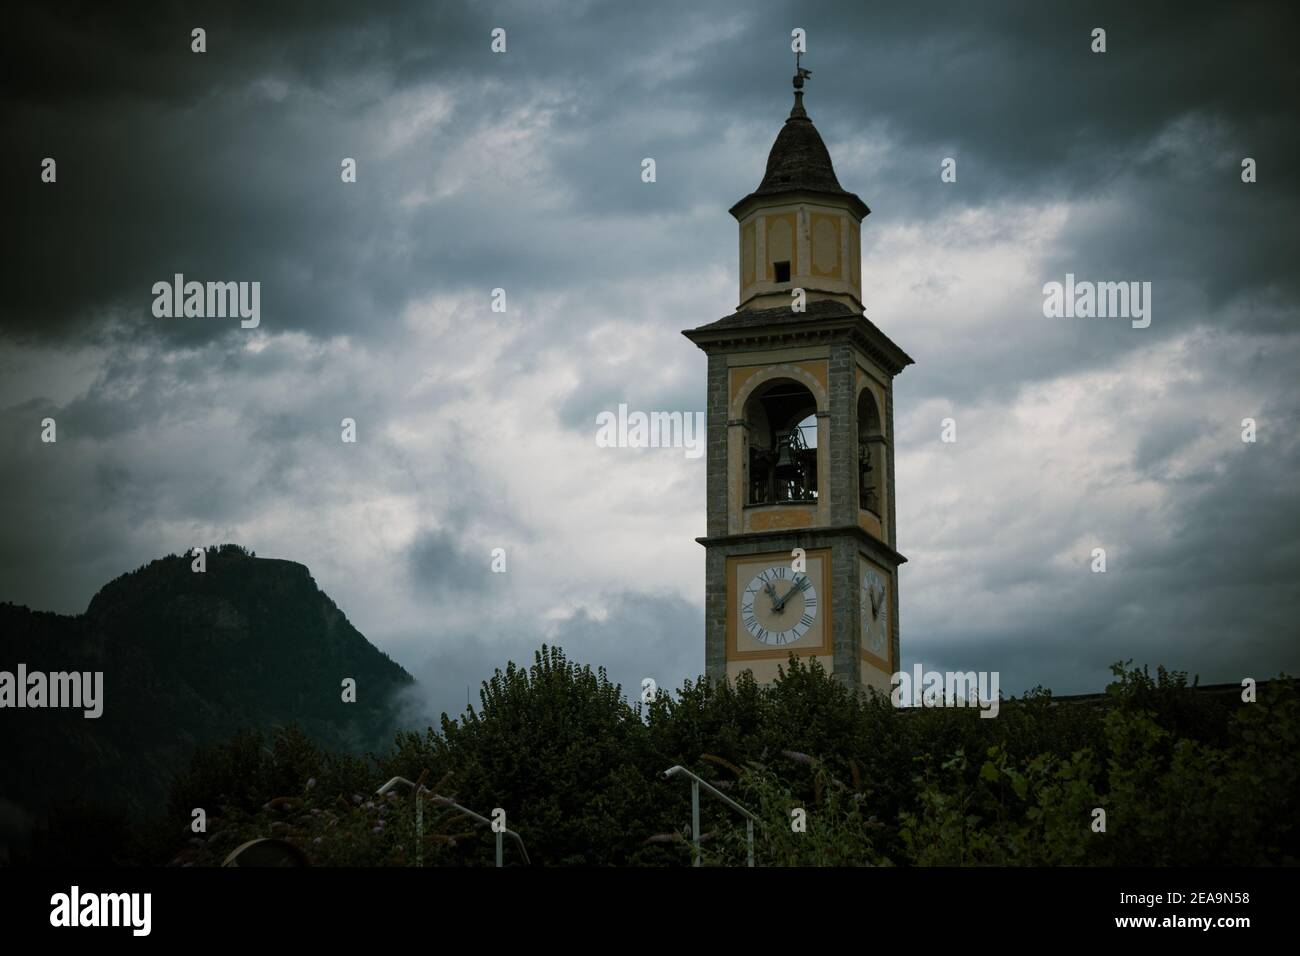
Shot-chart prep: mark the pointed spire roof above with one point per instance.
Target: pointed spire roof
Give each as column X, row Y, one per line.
column 799, row 160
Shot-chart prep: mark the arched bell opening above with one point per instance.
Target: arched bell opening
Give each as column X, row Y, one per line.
column 871, row 455
column 780, row 453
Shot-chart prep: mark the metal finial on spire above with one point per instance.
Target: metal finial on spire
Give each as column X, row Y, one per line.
column 800, row 74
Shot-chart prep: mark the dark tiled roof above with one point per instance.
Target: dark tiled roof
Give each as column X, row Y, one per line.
column 751, row 318
column 799, row 161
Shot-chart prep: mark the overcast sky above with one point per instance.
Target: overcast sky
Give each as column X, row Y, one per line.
column 522, row 171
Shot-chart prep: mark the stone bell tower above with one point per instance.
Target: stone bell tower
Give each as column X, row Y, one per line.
column 801, row 540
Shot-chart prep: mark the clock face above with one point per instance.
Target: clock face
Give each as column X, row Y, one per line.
column 778, row 606
column 875, row 613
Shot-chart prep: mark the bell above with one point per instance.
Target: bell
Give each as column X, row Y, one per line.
column 785, row 469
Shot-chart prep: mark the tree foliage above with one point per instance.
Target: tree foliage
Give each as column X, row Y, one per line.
column 1183, row 779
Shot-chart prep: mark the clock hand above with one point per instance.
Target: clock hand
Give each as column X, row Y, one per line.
column 789, row 594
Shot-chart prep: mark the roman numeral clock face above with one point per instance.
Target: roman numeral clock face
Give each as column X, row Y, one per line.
column 875, row 613
column 778, row 606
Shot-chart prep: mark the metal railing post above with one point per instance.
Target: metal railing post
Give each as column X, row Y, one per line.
column 696, row 783
column 448, row 802
column 695, row 819
column 419, row 827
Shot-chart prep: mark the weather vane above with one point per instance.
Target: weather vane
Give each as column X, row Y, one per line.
column 799, row 72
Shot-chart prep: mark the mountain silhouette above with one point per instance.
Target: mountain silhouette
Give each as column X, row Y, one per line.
column 187, row 658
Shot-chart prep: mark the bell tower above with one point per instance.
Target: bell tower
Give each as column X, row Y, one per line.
column 800, row 463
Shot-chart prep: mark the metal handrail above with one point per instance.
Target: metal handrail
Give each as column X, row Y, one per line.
column 448, row 802
column 696, row 783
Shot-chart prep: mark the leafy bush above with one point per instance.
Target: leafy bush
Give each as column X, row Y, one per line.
column 1168, row 799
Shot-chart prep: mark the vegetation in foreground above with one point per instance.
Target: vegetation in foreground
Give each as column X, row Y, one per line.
column 1183, row 779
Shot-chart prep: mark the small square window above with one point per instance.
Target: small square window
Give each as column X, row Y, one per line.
column 782, row 270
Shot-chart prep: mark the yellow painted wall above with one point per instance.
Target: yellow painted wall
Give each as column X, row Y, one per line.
column 825, row 236
column 765, row 671
column 874, row 677
column 781, row 245
column 777, row 517
column 748, row 252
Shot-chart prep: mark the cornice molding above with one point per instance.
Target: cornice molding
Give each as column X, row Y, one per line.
column 784, row 535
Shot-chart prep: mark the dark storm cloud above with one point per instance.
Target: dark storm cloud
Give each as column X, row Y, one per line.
column 441, row 568
column 1017, row 85
column 76, row 53
column 173, row 162
column 225, row 164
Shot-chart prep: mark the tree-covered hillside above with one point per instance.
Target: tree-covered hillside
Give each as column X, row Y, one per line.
column 188, row 658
